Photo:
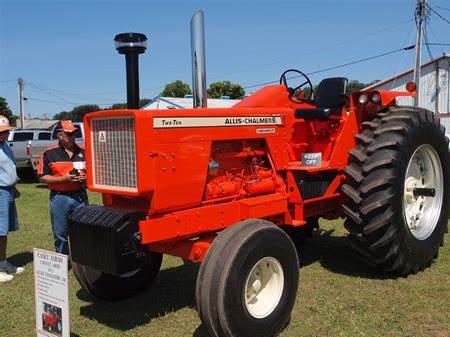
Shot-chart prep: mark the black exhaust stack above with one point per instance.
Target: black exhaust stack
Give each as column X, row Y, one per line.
column 132, row 44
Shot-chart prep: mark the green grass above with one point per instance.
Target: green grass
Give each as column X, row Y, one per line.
column 337, row 296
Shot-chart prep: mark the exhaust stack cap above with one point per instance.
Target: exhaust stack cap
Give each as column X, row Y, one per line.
column 131, row 42
column 131, row 45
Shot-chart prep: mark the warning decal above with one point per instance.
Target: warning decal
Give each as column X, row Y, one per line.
column 102, row 136
column 196, row 122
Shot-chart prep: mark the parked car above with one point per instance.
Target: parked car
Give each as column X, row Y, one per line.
column 18, row 141
column 37, row 147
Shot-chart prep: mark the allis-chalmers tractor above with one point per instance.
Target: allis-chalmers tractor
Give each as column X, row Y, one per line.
column 234, row 189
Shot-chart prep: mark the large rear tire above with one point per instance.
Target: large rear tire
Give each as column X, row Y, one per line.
column 116, row 287
column 247, row 283
column 397, row 190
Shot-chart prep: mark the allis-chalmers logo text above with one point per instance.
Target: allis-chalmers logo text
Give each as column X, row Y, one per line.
column 192, row 122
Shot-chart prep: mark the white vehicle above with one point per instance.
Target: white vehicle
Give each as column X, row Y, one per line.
column 37, row 147
column 18, row 141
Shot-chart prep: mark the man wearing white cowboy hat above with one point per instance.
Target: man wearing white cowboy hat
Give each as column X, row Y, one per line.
column 8, row 192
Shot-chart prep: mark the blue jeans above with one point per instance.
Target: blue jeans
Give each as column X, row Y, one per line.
column 8, row 212
column 62, row 204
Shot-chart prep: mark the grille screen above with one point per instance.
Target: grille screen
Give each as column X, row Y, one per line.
column 114, row 153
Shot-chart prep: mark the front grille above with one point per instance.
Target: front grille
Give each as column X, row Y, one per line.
column 114, row 153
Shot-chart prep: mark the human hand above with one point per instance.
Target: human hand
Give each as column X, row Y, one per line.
column 16, row 193
column 68, row 177
column 79, row 178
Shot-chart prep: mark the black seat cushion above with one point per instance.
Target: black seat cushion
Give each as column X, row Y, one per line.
column 329, row 99
column 330, row 91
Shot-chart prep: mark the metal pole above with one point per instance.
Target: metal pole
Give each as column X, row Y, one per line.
column 420, row 16
column 20, row 92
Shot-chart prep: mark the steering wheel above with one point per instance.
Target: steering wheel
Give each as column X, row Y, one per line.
column 294, row 91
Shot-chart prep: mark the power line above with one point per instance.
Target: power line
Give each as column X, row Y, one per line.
column 46, row 101
column 400, row 65
column 445, row 9
column 61, row 103
column 66, row 93
column 427, row 22
column 51, row 94
column 431, row 8
column 321, row 49
column 438, row 44
column 436, row 39
column 339, row 66
column 10, row 80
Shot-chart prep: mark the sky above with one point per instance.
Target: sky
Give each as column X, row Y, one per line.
column 64, row 50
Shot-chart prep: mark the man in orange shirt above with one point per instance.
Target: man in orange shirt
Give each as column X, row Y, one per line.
column 62, row 168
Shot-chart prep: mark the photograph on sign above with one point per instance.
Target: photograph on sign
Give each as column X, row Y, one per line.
column 52, row 294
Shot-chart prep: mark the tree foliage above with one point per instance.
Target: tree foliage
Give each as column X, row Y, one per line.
column 119, row 106
column 226, row 88
column 355, row 85
column 176, row 89
column 77, row 113
column 6, row 111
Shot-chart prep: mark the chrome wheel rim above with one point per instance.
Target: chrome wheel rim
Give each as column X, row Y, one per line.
column 263, row 287
column 423, row 192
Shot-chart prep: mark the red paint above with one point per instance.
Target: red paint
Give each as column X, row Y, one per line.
column 195, row 181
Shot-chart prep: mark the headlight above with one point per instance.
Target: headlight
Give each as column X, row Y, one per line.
column 375, row 98
column 363, row 99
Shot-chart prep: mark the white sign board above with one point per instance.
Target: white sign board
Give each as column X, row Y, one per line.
column 51, row 286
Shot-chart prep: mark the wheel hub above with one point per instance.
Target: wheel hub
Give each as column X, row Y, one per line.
column 264, row 287
column 423, row 192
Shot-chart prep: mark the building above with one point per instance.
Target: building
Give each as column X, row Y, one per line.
column 434, row 92
column 187, row 103
column 36, row 123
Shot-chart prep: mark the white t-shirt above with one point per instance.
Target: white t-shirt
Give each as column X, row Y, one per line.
column 8, row 174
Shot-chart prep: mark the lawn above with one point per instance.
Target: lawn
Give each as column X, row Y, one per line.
column 337, row 296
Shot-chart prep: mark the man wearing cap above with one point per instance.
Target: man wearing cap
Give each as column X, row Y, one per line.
column 62, row 168
column 8, row 192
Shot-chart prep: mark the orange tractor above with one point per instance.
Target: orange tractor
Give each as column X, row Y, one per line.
column 235, row 189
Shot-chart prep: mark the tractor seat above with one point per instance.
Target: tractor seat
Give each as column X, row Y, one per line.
column 328, row 100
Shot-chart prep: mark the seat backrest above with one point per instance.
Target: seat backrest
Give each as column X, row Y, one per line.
column 329, row 92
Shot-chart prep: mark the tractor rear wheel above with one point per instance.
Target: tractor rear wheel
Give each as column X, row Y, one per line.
column 397, row 190
column 116, row 287
column 247, row 283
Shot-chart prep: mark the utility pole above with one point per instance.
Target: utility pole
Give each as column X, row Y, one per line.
column 420, row 18
column 21, row 110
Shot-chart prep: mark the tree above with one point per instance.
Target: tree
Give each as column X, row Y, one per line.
column 355, row 85
column 77, row 113
column 226, row 88
column 6, row 111
column 119, row 106
column 176, row 89
column 63, row 115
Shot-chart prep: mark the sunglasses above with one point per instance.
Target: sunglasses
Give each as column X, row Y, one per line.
column 70, row 134
column 4, row 132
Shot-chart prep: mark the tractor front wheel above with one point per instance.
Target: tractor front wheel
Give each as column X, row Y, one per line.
column 397, row 190
column 116, row 287
column 247, row 283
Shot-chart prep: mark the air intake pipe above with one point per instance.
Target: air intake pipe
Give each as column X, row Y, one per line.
column 132, row 44
column 200, row 96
